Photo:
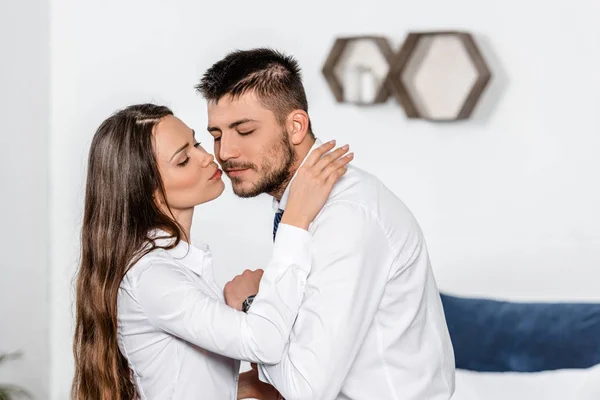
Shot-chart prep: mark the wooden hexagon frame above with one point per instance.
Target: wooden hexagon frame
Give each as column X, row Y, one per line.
column 335, row 54
column 401, row 59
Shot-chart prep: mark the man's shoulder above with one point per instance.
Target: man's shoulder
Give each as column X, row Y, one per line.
column 362, row 192
column 354, row 183
column 360, row 187
column 356, row 193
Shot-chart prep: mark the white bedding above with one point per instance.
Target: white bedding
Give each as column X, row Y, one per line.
column 549, row 385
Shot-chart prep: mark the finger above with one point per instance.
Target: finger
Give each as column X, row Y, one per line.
column 333, row 178
column 328, row 159
column 317, row 153
column 336, row 165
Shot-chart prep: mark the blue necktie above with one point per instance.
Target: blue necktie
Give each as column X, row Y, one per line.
column 276, row 222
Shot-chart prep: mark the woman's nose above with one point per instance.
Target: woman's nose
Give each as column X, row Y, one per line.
column 208, row 160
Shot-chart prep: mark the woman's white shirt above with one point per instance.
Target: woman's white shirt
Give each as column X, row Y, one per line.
column 180, row 338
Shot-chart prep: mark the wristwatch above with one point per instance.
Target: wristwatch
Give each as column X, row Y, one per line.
column 247, row 303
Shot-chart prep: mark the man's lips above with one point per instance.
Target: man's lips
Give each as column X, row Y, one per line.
column 236, row 171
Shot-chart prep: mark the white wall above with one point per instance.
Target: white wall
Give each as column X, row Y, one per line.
column 508, row 200
column 24, row 93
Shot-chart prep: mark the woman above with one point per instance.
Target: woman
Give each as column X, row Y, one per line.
column 151, row 322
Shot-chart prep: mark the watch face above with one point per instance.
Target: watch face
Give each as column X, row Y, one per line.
column 247, row 303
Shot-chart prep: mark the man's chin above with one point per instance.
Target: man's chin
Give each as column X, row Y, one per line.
column 243, row 191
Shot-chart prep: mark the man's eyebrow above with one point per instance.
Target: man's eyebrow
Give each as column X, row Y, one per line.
column 232, row 125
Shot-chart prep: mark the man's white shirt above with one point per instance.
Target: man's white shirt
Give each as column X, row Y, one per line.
column 371, row 324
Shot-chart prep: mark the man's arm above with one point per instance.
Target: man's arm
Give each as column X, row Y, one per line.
column 350, row 268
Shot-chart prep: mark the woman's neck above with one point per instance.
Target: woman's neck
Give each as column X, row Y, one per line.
column 184, row 219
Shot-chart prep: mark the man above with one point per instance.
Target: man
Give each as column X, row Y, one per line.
column 371, row 325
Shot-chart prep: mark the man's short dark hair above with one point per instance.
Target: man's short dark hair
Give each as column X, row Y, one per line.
column 273, row 76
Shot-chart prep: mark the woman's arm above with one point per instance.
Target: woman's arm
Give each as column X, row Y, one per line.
column 173, row 303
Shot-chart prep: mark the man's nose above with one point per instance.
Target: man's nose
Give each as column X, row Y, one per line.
column 228, row 148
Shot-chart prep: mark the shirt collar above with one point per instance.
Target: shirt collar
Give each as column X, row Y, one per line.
column 194, row 256
column 281, row 204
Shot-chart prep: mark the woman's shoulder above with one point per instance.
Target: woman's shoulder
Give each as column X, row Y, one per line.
column 149, row 257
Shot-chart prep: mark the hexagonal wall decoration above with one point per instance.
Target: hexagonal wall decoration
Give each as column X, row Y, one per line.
column 438, row 76
column 356, row 69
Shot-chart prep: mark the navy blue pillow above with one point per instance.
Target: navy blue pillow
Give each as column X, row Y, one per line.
column 498, row 336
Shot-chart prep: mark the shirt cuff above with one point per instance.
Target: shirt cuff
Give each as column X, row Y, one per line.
column 262, row 376
column 293, row 243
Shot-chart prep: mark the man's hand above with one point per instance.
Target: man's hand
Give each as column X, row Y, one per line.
column 242, row 286
column 250, row 387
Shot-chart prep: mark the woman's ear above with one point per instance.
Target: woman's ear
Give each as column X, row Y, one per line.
column 158, row 199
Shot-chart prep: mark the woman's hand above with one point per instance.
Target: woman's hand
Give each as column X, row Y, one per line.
column 313, row 183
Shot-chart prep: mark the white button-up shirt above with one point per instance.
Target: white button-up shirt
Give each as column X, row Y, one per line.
column 371, row 324
column 181, row 340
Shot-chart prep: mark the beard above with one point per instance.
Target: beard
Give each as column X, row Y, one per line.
column 275, row 174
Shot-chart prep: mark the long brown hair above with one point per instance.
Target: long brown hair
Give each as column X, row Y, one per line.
column 120, row 212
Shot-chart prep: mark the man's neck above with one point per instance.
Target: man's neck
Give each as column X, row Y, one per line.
column 302, row 151
column 278, row 194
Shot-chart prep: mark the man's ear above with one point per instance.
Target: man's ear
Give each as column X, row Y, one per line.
column 297, row 126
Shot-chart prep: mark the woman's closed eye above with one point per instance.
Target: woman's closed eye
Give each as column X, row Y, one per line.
column 187, row 158
column 184, row 162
